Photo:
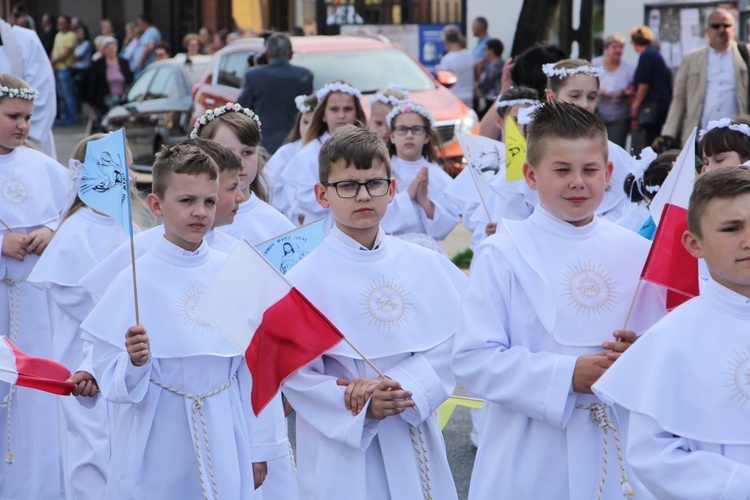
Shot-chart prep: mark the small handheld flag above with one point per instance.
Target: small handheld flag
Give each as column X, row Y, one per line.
column 18, row 368
column 515, row 150
column 105, row 183
column 286, row 250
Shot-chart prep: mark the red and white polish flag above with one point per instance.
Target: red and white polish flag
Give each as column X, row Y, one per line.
column 669, row 264
column 258, row 311
column 23, row 370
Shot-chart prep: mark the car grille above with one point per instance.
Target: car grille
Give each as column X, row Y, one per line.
column 447, row 131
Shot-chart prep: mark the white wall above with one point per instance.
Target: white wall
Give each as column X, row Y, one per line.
column 502, row 16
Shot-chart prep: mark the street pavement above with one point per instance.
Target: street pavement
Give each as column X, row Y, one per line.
column 456, row 433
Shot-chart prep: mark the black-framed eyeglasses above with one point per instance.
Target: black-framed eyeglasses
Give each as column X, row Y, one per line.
column 349, row 189
column 416, row 129
column 720, row 25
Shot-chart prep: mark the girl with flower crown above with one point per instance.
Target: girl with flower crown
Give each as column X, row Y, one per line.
column 238, row 129
column 34, row 190
column 420, row 211
column 85, row 237
column 725, row 143
column 338, row 105
column 381, row 103
column 281, row 197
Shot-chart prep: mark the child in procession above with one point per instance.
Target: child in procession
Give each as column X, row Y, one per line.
column 361, row 435
column 238, row 129
column 338, row 105
column 84, row 238
column 545, row 313
column 420, row 211
column 725, row 143
column 685, row 381
column 34, row 192
column 381, row 103
column 182, row 426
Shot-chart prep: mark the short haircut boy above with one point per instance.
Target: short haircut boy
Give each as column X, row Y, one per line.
column 722, row 183
column 181, row 159
column 562, row 120
column 357, row 146
column 226, row 159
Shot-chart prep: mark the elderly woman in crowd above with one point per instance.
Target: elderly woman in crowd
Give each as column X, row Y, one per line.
column 109, row 78
column 614, row 95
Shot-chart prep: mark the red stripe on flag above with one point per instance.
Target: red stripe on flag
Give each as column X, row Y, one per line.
column 292, row 334
column 41, row 373
column 669, row 264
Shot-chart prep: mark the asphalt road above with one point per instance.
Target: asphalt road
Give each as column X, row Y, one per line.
column 460, row 450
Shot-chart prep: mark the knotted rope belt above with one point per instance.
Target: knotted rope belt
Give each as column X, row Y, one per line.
column 600, row 417
column 197, row 409
column 14, row 310
column 417, row 441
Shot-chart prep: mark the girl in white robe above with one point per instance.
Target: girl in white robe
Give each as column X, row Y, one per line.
column 420, row 211
column 238, row 129
column 281, row 197
column 338, row 105
column 34, row 192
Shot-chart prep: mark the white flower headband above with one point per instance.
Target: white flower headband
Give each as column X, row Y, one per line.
column 409, row 107
column 305, row 105
column 742, row 128
column 338, row 87
column 389, row 99
column 515, row 102
column 550, row 70
column 210, row 114
column 29, row 93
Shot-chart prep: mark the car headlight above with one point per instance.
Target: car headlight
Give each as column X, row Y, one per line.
column 469, row 122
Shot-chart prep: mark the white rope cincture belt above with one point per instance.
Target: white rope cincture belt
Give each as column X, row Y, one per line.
column 424, row 464
column 600, row 417
column 14, row 310
column 198, row 401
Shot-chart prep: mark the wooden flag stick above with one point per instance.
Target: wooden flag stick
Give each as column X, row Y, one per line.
column 632, row 303
column 6, row 225
column 130, row 228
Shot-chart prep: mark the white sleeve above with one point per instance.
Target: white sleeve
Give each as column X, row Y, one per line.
column 119, row 380
column 488, row 362
column 317, row 398
column 444, row 219
column 401, row 216
column 668, row 468
column 38, row 73
column 429, row 378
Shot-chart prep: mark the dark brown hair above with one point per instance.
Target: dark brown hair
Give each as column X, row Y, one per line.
column 358, row 147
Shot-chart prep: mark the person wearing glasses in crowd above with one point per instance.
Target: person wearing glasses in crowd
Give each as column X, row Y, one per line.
column 420, row 212
column 711, row 82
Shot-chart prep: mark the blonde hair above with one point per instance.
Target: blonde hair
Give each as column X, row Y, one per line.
column 318, row 127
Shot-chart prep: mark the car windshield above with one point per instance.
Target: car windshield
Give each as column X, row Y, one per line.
column 368, row 71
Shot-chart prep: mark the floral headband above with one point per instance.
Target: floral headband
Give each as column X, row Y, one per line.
column 389, row 99
column 210, row 114
column 306, row 104
column 742, row 128
column 408, row 107
column 515, row 102
column 26, row 93
column 550, row 70
column 338, row 87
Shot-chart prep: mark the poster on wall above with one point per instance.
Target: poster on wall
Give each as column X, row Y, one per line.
column 431, row 46
column 691, row 32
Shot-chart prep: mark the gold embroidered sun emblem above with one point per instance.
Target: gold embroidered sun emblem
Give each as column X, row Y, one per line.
column 589, row 288
column 14, row 191
column 385, row 303
column 739, row 377
column 187, row 308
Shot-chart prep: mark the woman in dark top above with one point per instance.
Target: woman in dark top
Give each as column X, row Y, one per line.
column 653, row 88
column 109, row 77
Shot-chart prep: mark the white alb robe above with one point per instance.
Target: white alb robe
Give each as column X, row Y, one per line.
column 405, row 215
column 281, row 194
column 33, row 193
column 686, row 385
column 154, row 439
column 83, row 240
column 541, row 293
column 398, row 304
column 257, row 221
column 301, row 175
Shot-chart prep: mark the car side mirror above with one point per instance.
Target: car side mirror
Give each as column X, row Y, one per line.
column 446, row 78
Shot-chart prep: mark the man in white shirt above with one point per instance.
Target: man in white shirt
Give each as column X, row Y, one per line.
column 712, row 81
